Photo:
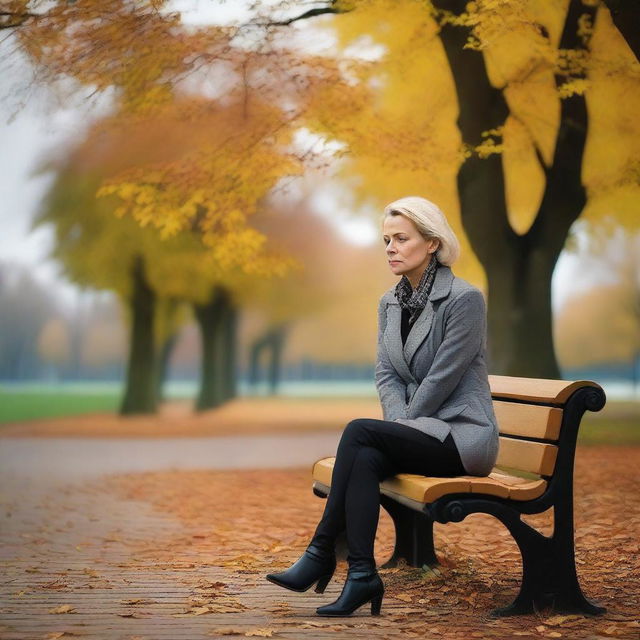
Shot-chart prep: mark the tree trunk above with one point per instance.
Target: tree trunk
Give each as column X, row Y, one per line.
column 164, row 355
column 168, row 327
column 520, row 332
column 626, row 16
column 216, row 320
column 271, row 341
column 77, row 330
column 140, row 391
column 229, row 355
column 519, row 267
column 254, row 362
column 257, row 348
column 276, row 343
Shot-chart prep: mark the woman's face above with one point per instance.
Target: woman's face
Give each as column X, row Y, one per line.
column 408, row 252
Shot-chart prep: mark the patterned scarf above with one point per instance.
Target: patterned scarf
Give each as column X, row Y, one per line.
column 412, row 299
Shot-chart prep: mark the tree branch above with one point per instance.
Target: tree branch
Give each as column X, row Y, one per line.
column 311, row 13
column 626, row 16
column 564, row 195
column 536, row 146
column 481, row 107
column 13, row 19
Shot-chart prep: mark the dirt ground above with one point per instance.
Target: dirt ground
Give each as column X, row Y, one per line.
column 245, row 415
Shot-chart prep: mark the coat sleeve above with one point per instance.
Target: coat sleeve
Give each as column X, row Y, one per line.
column 391, row 387
column 464, row 333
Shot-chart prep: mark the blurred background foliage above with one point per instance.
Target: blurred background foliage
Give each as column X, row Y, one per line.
column 191, row 215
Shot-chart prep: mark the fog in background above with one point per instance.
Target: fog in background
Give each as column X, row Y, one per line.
column 46, row 315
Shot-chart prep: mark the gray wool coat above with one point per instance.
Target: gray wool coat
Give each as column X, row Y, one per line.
column 438, row 382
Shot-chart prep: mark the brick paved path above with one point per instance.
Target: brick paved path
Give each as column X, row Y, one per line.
column 68, row 458
column 117, row 566
column 68, row 542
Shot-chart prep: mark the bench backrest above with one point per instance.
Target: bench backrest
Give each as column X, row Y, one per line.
column 530, row 417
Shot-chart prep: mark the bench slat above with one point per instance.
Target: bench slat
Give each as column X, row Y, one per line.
column 519, row 488
column 528, row 420
column 427, row 489
column 536, row 457
column 536, row 389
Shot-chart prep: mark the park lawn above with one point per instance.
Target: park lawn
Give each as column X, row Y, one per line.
column 616, row 432
column 617, row 424
column 16, row 406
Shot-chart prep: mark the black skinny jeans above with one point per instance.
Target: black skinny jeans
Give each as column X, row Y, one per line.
column 369, row 451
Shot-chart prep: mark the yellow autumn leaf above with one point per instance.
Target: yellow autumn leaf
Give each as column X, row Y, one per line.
column 263, row 633
column 63, row 608
column 405, row 597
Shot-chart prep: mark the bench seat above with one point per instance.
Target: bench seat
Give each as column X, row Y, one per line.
column 425, row 489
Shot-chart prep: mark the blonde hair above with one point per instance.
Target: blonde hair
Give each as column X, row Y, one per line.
column 431, row 223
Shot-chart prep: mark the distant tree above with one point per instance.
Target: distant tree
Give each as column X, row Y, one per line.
column 53, row 344
column 338, row 289
column 25, row 309
column 98, row 250
column 104, row 347
column 153, row 273
column 602, row 325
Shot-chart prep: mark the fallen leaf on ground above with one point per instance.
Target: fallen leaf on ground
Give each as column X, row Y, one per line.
column 405, row 597
column 63, row 608
column 138, row 601
column 554, row 621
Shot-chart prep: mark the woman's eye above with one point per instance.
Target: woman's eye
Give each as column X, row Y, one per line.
column 386, row 241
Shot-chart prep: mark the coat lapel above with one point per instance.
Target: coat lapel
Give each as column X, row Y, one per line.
column 420, row 329
column 393, row 340
column 401, row 357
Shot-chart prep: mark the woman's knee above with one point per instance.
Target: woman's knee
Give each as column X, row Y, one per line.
column 354, row 428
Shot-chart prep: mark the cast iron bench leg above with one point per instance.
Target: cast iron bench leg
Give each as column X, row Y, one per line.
column 549, row 575
column 414, row 535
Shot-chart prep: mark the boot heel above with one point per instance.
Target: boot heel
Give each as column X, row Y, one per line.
column 322, row 583
column 376, row 603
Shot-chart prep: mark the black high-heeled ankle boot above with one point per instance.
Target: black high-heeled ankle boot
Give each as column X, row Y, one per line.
column 359, row 588
column 314, row 565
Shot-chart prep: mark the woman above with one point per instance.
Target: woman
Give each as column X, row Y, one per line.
column 432, row 381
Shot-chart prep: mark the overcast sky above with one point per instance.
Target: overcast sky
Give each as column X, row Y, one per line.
column 41, row 126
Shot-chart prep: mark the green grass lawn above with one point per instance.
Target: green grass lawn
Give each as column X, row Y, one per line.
column 26, row 405
column 617, row 424
column 618, row 432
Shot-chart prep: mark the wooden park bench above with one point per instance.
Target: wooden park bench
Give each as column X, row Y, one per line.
column 538, row 421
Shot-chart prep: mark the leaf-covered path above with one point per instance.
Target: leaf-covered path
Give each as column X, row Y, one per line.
column 182, row 554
